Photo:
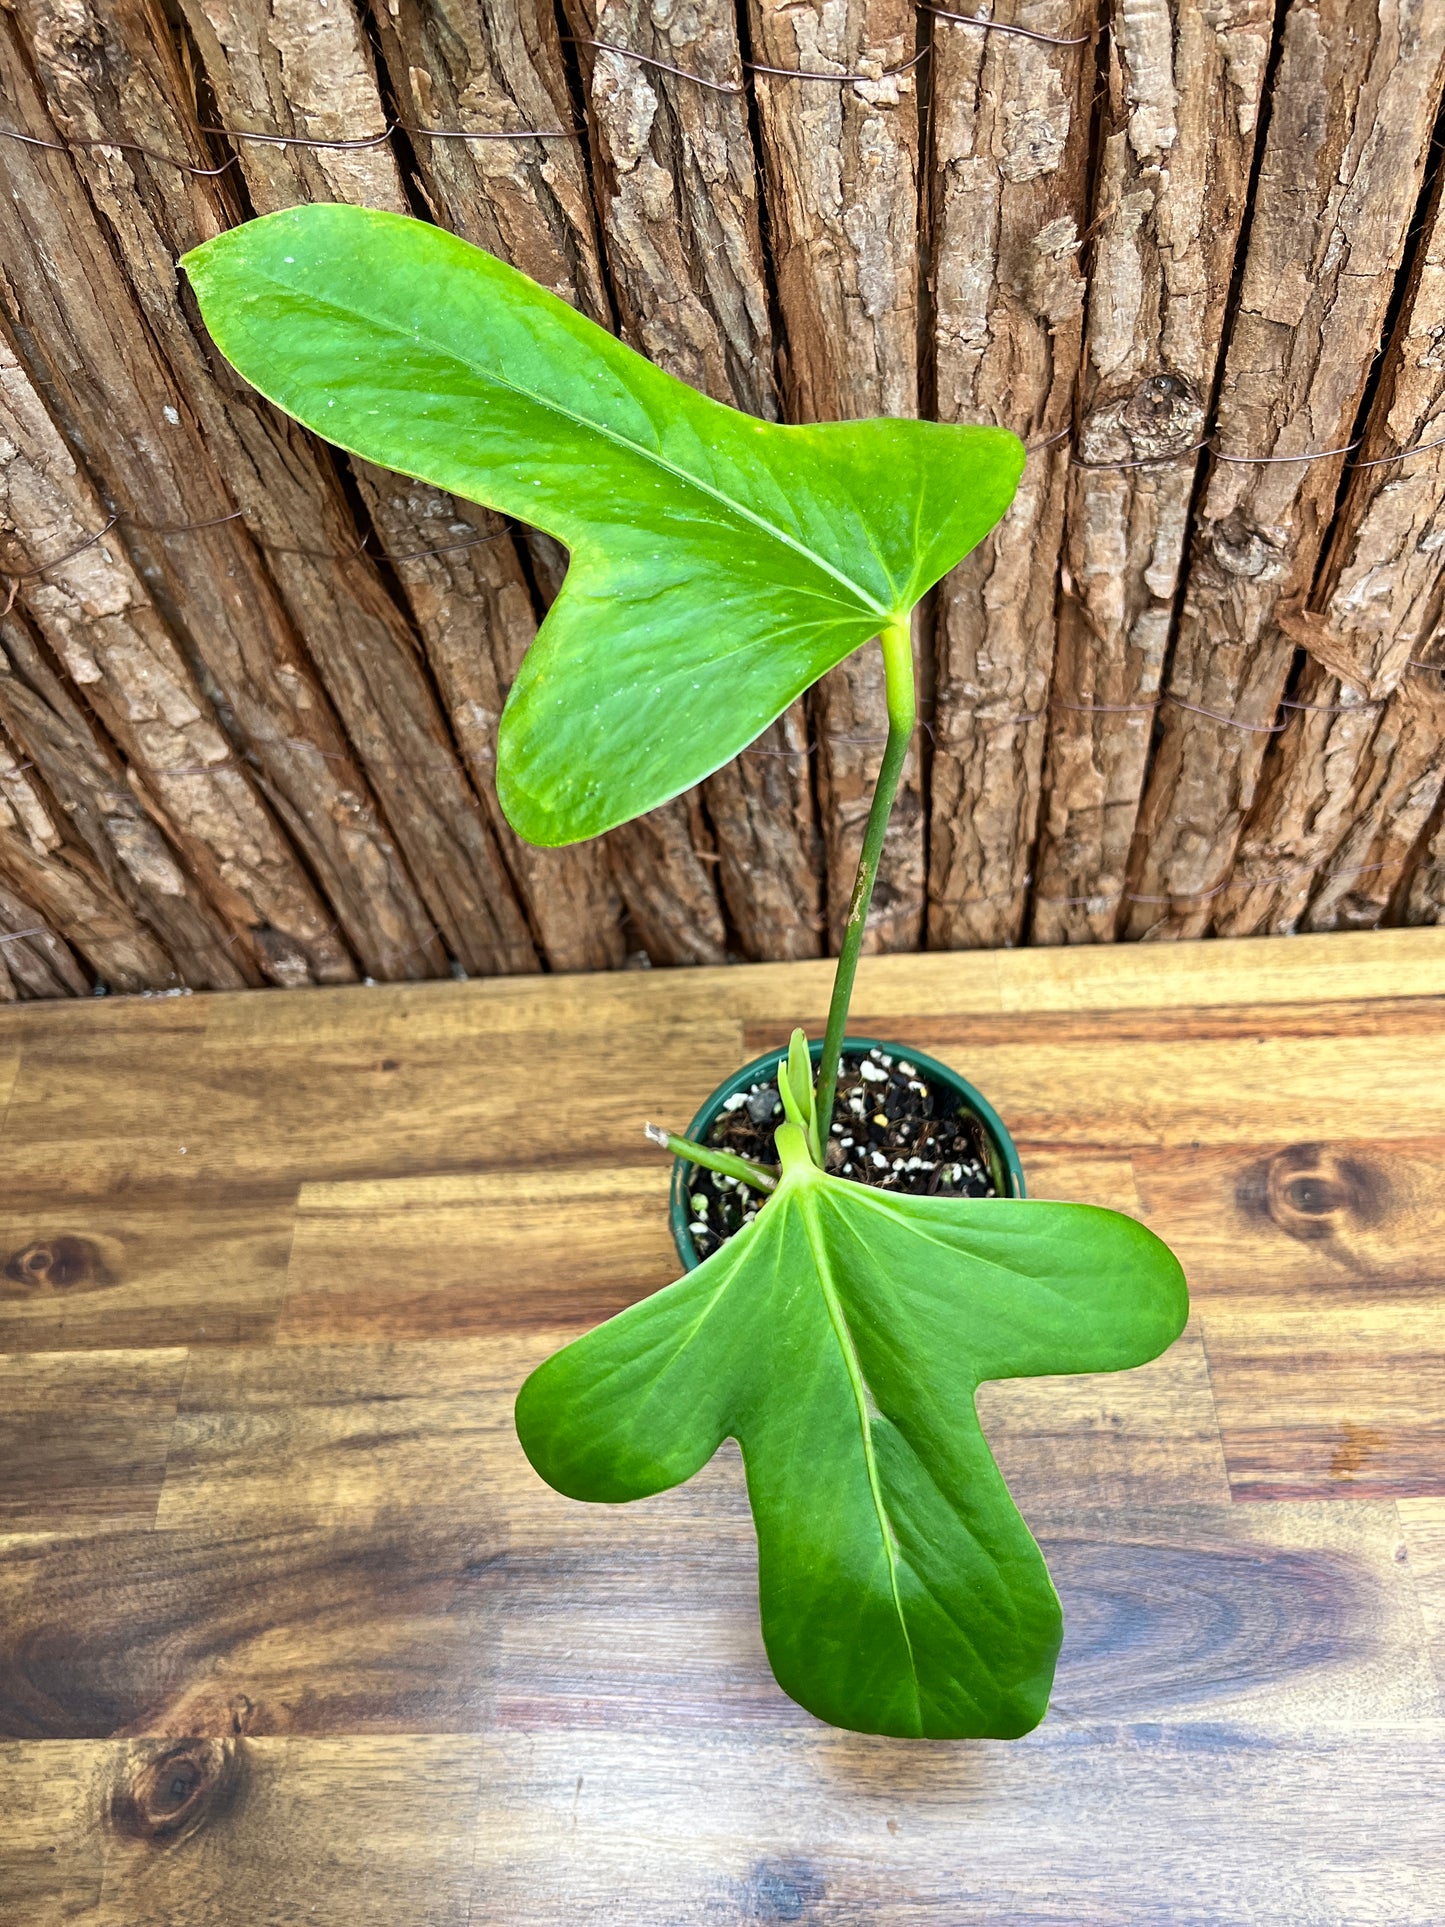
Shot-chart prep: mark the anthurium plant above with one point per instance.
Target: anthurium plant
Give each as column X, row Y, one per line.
column 718, row 567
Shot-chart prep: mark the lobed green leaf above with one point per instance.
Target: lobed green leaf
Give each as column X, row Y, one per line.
column 719, row 565
column 841, row 1339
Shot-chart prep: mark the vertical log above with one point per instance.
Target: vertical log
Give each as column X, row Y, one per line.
column 677, row 194
column 490, row 67
column 1353, row 742
column 361, row 640
column 677, row 190
column 1354, row 101
column 97, row 617
column 499, row 66
column 841, row 171
column 1425, row 897
column 1009, row 185
column 1182, row 112
column 35, row 960
column 129, row 881
column 459, row 569
column 1396, row 787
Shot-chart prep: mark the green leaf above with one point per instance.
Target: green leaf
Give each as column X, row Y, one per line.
column 719, row 564
column 840, row 1338
column 795, row 1082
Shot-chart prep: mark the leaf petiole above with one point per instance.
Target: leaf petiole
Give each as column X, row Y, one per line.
column 896, row 640
column 764, row 1177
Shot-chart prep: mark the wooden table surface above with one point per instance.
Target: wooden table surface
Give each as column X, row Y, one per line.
column 290, row 1633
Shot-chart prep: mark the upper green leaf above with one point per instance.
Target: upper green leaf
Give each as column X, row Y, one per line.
column 840, row 1338
column 719, row 564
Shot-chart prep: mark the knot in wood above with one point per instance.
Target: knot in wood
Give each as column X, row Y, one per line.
column 1161, row 416
column 1314, row 1191
column 63, row 1263
column 1237, row 548
column 173, row 1793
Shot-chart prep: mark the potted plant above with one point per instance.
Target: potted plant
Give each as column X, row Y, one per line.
column 840, row 1328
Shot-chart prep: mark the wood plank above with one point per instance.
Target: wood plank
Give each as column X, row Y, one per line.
column 83, row 1436
column 367, row 1098
column 1319, row 1395
column 1331, row 1219
column 1288, row 1615
column 1178, row 1077
column 1146, row 1437
column 348, row 1626
column 458, row 1256
column 109, row 1272
column 1423, row 1523
column 1142, row 1827
column 377, row 1831
column 347, row 1431
column 50, row 1846
column 1252, row 971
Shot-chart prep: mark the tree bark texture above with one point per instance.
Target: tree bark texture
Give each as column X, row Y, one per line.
column 250, row 688
column 1354, row 104
column 841, row 160
column 1010, row 160
column 1362, row 726
column 1180, row 118
column 676, row 185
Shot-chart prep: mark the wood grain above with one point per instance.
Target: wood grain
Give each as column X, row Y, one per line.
column 1355, row 96
column 289, row 1629
column 1181, row 119
column 83, row 1436
column 1354, row 777
column 1009, row 192
column 840, row 167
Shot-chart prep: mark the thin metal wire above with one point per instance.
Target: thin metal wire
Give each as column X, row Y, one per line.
column 1319, row 455
column 1059, row 435
column 1205, row 896
column 354, row 144
column 39, row 568
column 1337, row 709
column 751, row 66
column 1110, row 709
column 14, row 936
column 498, row 134
column 69, row 145
column 999, row 26
column 1215, row 715
column 1145, row 461
column 16, row 576
column 648, row 60
column 1380, row 461
column 799, row 73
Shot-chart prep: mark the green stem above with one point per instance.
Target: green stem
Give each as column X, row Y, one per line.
column 897, row 644
column 764, row 1177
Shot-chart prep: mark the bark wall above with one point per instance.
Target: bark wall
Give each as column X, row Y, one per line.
column 249, row 689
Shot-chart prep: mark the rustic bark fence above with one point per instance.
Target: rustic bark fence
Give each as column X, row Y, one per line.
column 1193, row 253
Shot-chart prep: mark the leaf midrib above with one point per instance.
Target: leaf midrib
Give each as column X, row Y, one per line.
column 619, row 441
column 853, row 1366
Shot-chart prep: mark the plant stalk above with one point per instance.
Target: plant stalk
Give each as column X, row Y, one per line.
column 896, row 640
column 763, row 1177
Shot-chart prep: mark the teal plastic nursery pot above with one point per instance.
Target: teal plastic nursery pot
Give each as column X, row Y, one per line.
column 763, row 1067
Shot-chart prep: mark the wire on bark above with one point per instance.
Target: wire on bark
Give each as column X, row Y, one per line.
column 1000, row 26
column 1206, row 896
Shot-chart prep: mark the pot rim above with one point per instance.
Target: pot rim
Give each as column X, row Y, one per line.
column 679, row 1212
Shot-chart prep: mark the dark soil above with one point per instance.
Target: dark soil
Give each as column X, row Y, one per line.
column 893, row 1128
